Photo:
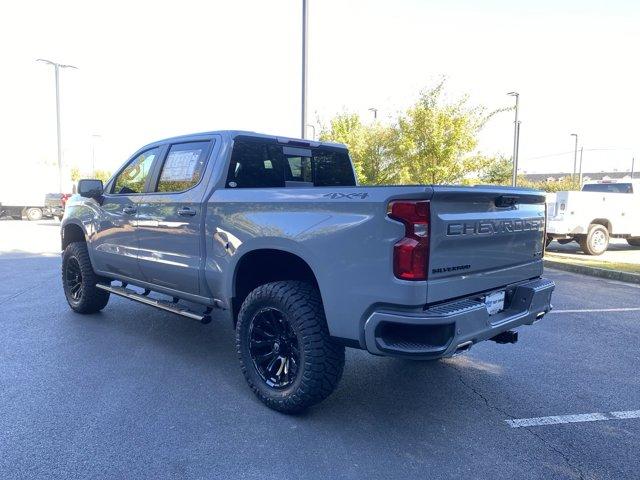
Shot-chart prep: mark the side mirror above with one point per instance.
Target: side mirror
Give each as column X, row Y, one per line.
column 90, row 188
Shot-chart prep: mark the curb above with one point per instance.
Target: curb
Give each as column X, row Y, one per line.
column 594, row 271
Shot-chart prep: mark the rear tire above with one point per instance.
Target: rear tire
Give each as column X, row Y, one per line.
column 596, row 241
column 286, row 354
column 79, row 280
column 33, row 214
column 634, row 241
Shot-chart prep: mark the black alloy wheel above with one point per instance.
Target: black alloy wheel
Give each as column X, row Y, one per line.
column 73, row 279
column 274, row 348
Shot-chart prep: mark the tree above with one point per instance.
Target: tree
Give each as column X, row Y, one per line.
column 564, row 184
column 432, row 142
column 497, row 171
column 103, row 175
column 435, row 138
column 75, row 174
column 369, row 146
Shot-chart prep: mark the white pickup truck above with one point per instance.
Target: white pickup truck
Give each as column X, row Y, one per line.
column 602, row 210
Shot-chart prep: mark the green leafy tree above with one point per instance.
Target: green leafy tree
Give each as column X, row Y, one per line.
column 497, row 171
column 435, row 138
column 432, row 142
column 369, row 146
column 103, row 175
column 564, row 184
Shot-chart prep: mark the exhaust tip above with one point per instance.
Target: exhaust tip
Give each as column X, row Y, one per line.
column 463, row 347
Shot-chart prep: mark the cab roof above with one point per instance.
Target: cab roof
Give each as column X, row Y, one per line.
column 232, row 134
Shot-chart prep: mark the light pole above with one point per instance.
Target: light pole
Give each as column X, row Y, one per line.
column 633, row 164
column 57, row 67
column 575, row 157
column 375, row 113
column 580, row 174
column 305, row 39
column 94, row 137
column 514, row 178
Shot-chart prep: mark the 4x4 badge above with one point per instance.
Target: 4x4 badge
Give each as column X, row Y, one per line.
column 349, row 196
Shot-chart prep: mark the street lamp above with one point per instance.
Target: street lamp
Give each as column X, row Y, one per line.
column 57, row 67
column 305, row 24
column 375, row 113
column 575, row 157
column 514, row 178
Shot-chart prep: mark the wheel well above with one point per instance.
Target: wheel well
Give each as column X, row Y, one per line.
column 72, row 233
column 264, row 266
column 604, row 222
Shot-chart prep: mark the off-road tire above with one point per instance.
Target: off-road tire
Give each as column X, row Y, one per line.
column 90, row 299
column 634, row 241
column 321, row 360
column 596, row 241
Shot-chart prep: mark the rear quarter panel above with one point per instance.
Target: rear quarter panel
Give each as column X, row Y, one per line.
column 343, row 234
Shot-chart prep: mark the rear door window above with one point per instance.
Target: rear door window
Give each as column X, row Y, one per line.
column 183, row 167
column 256, row 164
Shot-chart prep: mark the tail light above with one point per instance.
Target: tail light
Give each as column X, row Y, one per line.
column 411, row 253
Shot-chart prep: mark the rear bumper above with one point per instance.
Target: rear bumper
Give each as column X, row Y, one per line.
column 444, row 329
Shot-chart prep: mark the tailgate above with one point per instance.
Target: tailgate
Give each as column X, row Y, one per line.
column 483, row 238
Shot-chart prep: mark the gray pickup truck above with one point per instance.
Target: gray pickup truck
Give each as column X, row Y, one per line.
column 276, row 234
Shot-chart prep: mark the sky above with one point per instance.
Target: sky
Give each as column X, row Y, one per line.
column 150, row 70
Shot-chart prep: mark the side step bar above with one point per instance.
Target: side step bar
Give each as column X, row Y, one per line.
column 161, row 304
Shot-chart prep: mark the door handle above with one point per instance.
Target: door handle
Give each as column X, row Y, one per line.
column 186, row 212
column 129, row 210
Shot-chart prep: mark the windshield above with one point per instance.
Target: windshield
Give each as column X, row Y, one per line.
column 608, row 187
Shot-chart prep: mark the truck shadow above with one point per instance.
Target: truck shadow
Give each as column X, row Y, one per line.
column 373, row 390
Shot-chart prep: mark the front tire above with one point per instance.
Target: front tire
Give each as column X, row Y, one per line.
column 286, row 354
column 79, row 280
column 596, row 241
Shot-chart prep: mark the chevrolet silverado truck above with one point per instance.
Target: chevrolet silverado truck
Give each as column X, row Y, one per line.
column 276, row 234
column 602, row 210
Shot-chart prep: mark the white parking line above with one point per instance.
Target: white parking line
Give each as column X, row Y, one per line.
column 579, row 418
column 622, row 284
column 599, row 310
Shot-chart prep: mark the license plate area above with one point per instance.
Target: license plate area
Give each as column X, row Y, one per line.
column 495, row 302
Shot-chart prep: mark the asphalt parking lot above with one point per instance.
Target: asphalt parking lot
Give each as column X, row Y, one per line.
column 134, row 392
